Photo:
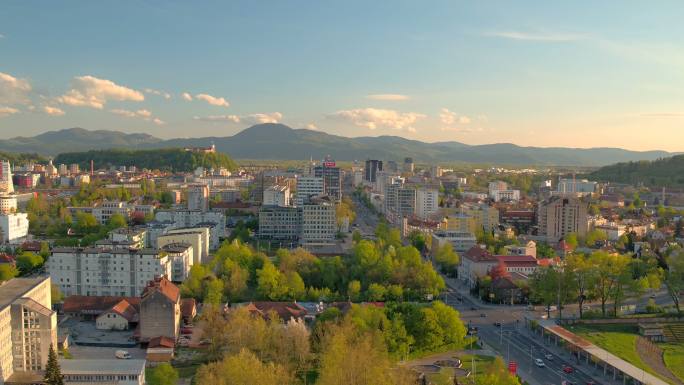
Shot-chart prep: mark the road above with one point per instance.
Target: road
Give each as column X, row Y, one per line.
column 366, row 221
column 513, row 342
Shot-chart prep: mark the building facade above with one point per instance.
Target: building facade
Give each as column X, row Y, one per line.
column 276, row 196
column 13, row 227
column 371, row 170
column 308, row 187
column 332, row 179
column 427, row 202
column 561, row 215
column 198, row 197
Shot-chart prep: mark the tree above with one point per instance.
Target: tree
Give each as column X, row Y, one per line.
column 498, row 374
column 674, row 278
column 7, row 272
column 595, row 236
column 163, row 374
column 584, row 276
column 270, row 283
column 86, row 222
column 376, row 292
column 447, row 259
column 117, row 221
column 28, row 261
column 611, row 275
column 356, row 236
column 213, row 291
column 571, row 240
column 243, row 368
column 354, row 291
column 53, row 373
column 56, row 294
column 418, row 240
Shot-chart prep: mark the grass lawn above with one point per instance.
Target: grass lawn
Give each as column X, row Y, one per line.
column 674, row 358
column 617, row 339
column 482, row 363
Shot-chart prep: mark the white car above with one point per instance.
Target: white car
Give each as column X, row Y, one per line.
column 539, row 362
column 549, row 356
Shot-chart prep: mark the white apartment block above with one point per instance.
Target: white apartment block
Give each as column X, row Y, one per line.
column 179, row 219
column 198, row 237
column 307, row 187
column 28, row 327
column 181, row 256
column 576, row 186
column 8, row 204
column 198, row 197
column 102, row 271
column 427, row 202
column 319, row 224
column 13, row 227
column 6, row 184
column 461, row 241
column 276, row 196
column 506, row 195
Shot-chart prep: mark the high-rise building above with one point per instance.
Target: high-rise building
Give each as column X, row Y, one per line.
column 406, row 201
column 332, row 178
column 13, row 227
column 319, row 223
column 63, row 169
column 307, row 187
column 74, row 169
column 408, row 165
column 8, row 204
column 6, row 184
column 277, row 196
column 198, row 197
column 28, row 326
column 372, row 168
column 560, row 215
column 427, row 202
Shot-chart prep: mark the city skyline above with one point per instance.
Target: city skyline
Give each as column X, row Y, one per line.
column 598, row 75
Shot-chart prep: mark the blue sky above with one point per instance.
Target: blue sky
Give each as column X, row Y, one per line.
column 578, row 74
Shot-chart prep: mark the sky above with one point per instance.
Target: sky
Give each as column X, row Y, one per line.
column 534, row 73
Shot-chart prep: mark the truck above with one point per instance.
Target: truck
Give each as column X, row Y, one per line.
column 122, row 355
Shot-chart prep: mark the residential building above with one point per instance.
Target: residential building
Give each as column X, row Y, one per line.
column 529, row 248
column 118, row 317
column 198, row 197
column 28, row 327
column 135, row 237
column 277, row 196
column 522, row 264
column 103, row 371
column 197, row 237
column 74, row 169
column 561, row 215
column 8, row 204
column 460, row 241
column 499, row 191
column 104, row 271
column 475, row 263
column 406, row 201
column 179, row 219
column 13, row 227
column 575, row 186
column 371, row 170
column 181, row 256
column 6, row 183
column 307, row 187
column 408, row 165
column 160, row 312
column 427, row 202
column 332, row 179
column 319, row 223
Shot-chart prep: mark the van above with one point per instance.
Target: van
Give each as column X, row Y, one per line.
column 122, row 355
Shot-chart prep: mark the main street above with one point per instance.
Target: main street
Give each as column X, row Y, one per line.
column 514, row 343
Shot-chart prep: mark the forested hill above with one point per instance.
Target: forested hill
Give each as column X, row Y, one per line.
column 661, row 172
column 171, row 159
column 21, row 158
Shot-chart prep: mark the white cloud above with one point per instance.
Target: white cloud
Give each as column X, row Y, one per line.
column 373, row 118
column 312, row 126
column 7, row 111
column 271, row 117
column 54, row 111
column 536, row 36
column 213, row 100
column 186, row 96
column 388, row 97
column 219, row 118
column 152, row 91
column 89, row 91
column 13, row 90
column 143, row 114
column 449, row 117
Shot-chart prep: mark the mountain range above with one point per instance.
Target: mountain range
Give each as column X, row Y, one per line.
column 280, row 142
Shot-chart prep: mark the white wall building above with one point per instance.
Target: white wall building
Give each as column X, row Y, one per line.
column 198, row 197
column 319, row 223
column 6, row 184
column 28, row 326
column 307, row 187
column 98, row 271
column 460, row 241
column 198, row 237
column 14, row 227
column 427, row 202
column 276, row 196
column 8, row 204
column 214, row 220
column 104, row 371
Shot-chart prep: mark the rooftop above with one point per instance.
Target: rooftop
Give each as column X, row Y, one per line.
column 15, row 288
column 112, row 366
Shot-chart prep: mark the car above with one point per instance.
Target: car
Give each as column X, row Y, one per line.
column 497, row 324
column 122, row 355
column 539, row 362
column 653, row 296
column 568, row 382
column 568, row 369
column 473, row 308
column 549, row 356
column 483, row 315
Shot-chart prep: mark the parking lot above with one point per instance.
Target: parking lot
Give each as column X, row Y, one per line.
column 85, row 333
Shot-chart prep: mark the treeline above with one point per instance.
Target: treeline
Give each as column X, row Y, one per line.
column 16, row 158
column 381, row 270
column 359, row 347
column 168, row 159
column 665, row 172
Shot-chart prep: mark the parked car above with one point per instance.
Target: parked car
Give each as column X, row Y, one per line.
column 497, row 324
column 568, row 369
column 549, row 356
column 122, row 355
column 539, row 362
column 483, row 315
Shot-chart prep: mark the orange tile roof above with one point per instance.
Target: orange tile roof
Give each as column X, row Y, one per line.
column 164, row 286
